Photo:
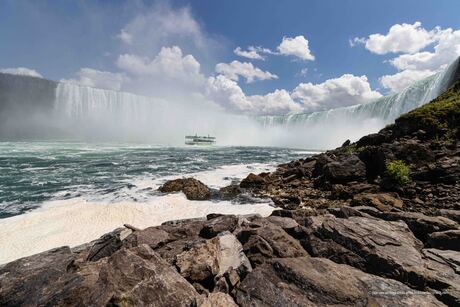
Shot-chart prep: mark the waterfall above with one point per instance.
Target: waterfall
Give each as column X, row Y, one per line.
column 384, row 110
column 76, row 102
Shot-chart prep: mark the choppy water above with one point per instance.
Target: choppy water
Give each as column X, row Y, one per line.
column 34, row 172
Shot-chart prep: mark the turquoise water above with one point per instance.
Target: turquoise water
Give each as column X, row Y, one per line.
column 34, row 172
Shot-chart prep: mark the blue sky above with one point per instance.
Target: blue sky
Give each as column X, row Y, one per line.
column 59, row 38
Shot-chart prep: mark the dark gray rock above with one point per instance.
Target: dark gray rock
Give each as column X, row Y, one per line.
column 191, row 187
column 346, row 168
column 320, row 282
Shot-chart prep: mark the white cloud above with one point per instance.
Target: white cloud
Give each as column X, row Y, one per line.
column 125, row 37
column 245, row 70
column 23, row 71
column 399, row 81
column 303, row 72
column 415, row 62
column 251, row 53
column 297, row 46
column 344, row 91
column 230, row 96
column 407, row 38
column 99, row 79
column 446, row 50
column 170, row 63
column 161, row 25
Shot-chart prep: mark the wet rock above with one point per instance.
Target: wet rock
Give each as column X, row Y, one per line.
column 229, row 192
column 346, row 168
column 191, row 187
column 252, row 181
column 320, row 282
column 449, row 239
column 380, row 201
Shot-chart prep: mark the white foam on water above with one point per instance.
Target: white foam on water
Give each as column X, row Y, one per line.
column 78, row 220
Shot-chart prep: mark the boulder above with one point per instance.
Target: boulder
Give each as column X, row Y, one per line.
column 262, row 240
column 380, row 201
column 216, row 225
column 309, row 281
column 213, row 257
column 373, row 139
column 229, row 192
column 252, row 181
column 345, row 168
column 217, row 299
column 449, row 239
column 152, row 236
column 191, row 187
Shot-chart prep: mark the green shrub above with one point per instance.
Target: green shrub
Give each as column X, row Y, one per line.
column 398, row 171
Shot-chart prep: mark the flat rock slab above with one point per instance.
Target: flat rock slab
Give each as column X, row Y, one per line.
column 319, row 282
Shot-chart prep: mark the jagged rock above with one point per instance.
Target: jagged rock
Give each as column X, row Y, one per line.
column 449, row 239
column 229, row 192
column 454, row 215
column 191, row 187
column 379, row 247
column 217, row 299
column 201, row 262
column 443, row 274
column 107, row 244
column 284, row 222
column 320, row 282
column 27, row 281
column 381, row 201
column 209, row 258
column 252, row 181
column 372, row 139
column 420, row 224
column 132, row 277
column 216, row 225
column 184, row 229
column 262, row 240
column 346, row 168
column 152, row 236
column 346, row 143
column 232, row 255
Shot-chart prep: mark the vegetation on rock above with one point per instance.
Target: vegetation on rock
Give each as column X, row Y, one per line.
column 399, row 172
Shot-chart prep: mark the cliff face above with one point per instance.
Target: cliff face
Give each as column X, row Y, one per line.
column 25, row 104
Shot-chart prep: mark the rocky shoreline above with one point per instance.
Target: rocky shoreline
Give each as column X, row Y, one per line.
column 372, row 223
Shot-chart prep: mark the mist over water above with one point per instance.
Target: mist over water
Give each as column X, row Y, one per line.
column 35, row 108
